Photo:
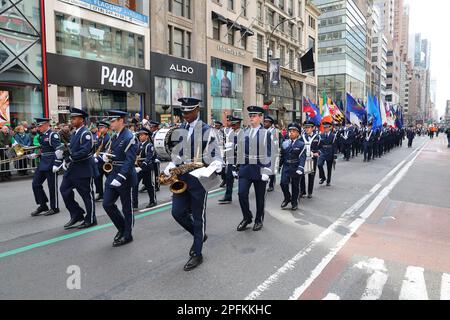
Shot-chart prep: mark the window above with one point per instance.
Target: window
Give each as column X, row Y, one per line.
column 271, row 17
column 179, row 42
column 312, row 22
column 282, row 56
column 216, row 29
column 231, row 36
column 244, row 5
column 231, row 4
column 259, row 46
column 180, row 8
column 291, row 59
column 260, row 12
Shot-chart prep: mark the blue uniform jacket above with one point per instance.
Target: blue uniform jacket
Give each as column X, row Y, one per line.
column 147, row 152
column 293, row 157
column 348, row 136
column 124, row 147
column 49, row 142
column 327, row 146
column 255, row 161
column 105, row 139
column 81, row 161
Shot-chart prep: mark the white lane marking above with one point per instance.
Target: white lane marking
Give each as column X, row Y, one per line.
column 377, row 280
column 332, row 296
column 290, row 265
column 354, row 226
column 445, row 286
column 414, row 287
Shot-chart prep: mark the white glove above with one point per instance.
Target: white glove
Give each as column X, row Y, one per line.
column 96, row 159
column 115, row 183
column 170, row 166
column 265, row 177
column 59, row 154
column 229, row 145
column 65, row 166
column 157, row 161
column 299, row 172
column 55, row 169
column 138, row 169
column 235, row 174
column 32, row 156
column 105, row 158
column 218, row 165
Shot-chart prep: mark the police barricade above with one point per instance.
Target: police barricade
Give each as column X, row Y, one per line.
column 10, row 164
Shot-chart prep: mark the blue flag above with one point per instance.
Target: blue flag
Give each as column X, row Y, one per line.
column 373, row 112
column 355, row 107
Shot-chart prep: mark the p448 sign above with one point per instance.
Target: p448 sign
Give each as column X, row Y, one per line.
column 117, row 77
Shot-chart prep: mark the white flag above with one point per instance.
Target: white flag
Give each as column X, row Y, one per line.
column 355, row 120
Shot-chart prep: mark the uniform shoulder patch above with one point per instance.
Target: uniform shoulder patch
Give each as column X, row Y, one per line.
column 88, row 137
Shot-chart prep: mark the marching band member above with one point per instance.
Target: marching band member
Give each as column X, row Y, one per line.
column 154, row 128
column 51, row 155
column 348, row 137
column 269, row 126
column 80, row 171
column 292, row 162
column 221, row 139
column 231, row 158
column 144, row 168
column 328, row 153
column 120, row 182
column 311, row 139
column 369, row 138
column 103, row 142
column 255, row 168
column 194, row 145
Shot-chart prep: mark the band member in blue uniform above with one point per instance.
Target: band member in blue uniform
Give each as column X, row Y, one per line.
column 144, row 168
column 368, row 142
column 196, row 143
column 254, row 156
column 154, row 128
column 51, row 155
column 311, row 139
column 80, row 171
column 221, row 139
column 328, row 153
column 347, row 138
column 102, row 145
column 410, row 134
column 231, row 157
column 120, row 182
column 269, row 126
column 292, row 162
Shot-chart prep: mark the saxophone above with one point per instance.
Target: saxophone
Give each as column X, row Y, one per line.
column 178, row 186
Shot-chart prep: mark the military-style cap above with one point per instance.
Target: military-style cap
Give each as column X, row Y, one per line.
column 270, row 119
column 235, row 120
column 255, row 110
column 309, row 123
column 294, row 126
column 189, row 104
column 41, row 121
column 327, row 124
column 218, row 123
column 116, row 114
column 154, row 124
column 144, row 131
column 75, row 112
column 103, row 124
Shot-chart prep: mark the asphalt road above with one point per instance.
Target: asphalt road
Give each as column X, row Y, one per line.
column 306, row 254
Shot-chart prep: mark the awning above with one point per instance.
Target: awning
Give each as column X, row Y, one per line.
column 246, row 32
column 216, row 16
column 235, row 25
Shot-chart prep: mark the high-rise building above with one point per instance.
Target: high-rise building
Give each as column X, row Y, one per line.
column 342, row 49
column 379, row 56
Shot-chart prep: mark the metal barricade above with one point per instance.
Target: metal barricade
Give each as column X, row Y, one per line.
column 8, row 165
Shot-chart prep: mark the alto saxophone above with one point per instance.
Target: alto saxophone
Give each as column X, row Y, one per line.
column 178, row 186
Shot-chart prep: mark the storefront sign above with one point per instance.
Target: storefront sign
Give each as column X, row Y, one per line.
column 111, row 10
column 171, row 67
column 231, row 51
column 96, row 75
column 63, row 109
column 182, row 69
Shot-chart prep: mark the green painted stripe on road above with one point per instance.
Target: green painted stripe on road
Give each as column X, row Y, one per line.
column 83, row 232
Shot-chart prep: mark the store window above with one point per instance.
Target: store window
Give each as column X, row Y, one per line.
column 20, row 103
column 81, row 38
column 226, row 89
column 97, row 102
column 167, row 93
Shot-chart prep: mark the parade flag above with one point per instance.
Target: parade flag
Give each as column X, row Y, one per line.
column 373, row 112
column 311, row 111
column 336, row 113
column 355, row 111
column 382, row 111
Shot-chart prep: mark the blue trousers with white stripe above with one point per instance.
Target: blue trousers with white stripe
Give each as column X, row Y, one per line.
column 125, row 222
column 38, row 188
column 189, row 210
column 85, row 188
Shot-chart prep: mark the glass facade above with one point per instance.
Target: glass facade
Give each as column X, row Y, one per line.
column 97, row 102
column 168, row 91
column 80, row 38
column 227, row 87
column 21, row 59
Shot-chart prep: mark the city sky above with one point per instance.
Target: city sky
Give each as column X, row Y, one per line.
column 429, row 18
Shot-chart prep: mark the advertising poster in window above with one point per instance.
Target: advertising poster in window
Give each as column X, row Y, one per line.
column 197, row 90
column 180, row 89
column 274, row 72
column 222, row 83
column 4, row 108
column 162, row 91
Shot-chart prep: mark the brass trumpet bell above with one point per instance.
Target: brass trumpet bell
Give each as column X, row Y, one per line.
column 108, row 167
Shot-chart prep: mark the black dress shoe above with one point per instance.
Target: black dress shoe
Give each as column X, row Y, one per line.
column 285, row 203
column 191, row 252
column 309, row 196
column 322, row 181
column 243, row 225
column 38, row 211
column 271, row 189
column 225, row 201
column 99, row 198
column 258, row 226
column 87, row 225
column 193, row 263
column 328, row 184
column 223, row 184
column 143, row 189
column 71, row 224
column 122, row 241
column 151, row 205
column 118, row 236
column 294, row 207
column 51, row 212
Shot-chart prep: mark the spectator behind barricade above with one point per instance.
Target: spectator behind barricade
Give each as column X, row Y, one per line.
column 6, row 141
column 24, row 140
column 136, row 120
column 64, row 134
column 146, row 122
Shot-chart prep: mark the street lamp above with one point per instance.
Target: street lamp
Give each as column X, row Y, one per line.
column 267, row 100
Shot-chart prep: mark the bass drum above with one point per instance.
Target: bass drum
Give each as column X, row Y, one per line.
column 163, row 143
